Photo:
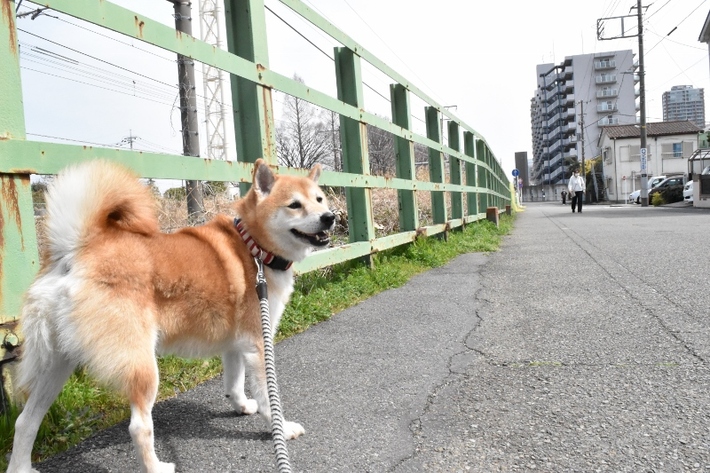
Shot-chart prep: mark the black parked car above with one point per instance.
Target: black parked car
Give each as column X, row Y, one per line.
column 670, row 188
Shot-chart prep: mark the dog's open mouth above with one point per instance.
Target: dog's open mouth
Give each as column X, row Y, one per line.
column 315, row 239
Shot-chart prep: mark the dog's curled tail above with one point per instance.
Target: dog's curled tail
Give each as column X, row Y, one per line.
column 91, row 198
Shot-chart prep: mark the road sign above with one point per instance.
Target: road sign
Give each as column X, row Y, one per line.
column 516, row 173
column 644, row 154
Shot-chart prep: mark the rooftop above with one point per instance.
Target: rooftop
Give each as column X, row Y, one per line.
column 679, row 127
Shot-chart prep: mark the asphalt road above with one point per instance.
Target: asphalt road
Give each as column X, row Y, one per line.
column 581, row 346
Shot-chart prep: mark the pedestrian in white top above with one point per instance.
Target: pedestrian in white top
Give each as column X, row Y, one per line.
column 576, row 189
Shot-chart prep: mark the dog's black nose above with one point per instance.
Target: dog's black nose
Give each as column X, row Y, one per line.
column 328, row 218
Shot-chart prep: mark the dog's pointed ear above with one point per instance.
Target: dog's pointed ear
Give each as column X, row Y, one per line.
column 263, row 180
column 315, row 173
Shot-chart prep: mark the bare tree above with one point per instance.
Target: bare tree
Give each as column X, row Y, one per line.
column 380, row 146
column 304, row 138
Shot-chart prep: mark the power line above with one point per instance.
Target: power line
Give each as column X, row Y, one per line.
column 104, row 145
column 318, row 48
column 171, row 86
column 95, row 58
column 41, row 11
column 676, row 27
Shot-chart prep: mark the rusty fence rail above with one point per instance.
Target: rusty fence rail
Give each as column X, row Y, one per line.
column 461, row 192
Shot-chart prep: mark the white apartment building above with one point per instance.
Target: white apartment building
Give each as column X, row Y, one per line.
column 574, row 100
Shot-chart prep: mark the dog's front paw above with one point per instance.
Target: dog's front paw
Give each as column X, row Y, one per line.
column 249, row 407
column 166, row 467
column 245, row 407
column 293, row 430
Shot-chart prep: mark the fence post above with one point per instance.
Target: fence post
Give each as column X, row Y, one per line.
column 19, row 257
column 485, row 179
column 353, row 136
column 436, row 166
column 455, row 170
column 481, row 157
column 251, row 102
column 470, row 150
column 404, row 155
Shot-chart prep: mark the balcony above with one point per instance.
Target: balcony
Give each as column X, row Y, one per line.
column 605, row 79
column 571, row 154
column 606, row 93
column 556, row 173
column 556, row 161
column 553, row 119
column 608, row 121
column 569, row 142
column 604, row 64
column 607, row 107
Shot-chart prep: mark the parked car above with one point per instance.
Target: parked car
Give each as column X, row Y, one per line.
column 635, row 196
column 671, row 187
column 688, row 192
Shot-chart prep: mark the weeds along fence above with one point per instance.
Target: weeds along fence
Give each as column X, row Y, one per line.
column 464, row 177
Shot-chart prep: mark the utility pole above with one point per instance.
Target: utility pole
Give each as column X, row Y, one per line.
column 642, row 103
column 642, row 88
column 581, row 126
column 188, row 112
column 130, row 139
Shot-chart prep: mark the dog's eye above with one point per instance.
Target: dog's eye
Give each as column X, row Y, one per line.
column 319, row 199
column 294, row 205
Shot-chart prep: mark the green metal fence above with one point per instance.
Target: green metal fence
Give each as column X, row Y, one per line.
column 475, row 178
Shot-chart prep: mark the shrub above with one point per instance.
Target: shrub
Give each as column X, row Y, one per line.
column 176, row 193
column 212, row 188
column 657, row 199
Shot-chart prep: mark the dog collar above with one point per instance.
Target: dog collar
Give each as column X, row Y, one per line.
column 269, row 259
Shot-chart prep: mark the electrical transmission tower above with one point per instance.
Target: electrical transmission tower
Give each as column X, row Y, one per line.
column 212, row 79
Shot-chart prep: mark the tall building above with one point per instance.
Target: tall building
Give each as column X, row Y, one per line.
column 574, row 100
column 521, row 164
column 684, row 102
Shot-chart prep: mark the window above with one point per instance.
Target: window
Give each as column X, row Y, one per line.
column 677, row 150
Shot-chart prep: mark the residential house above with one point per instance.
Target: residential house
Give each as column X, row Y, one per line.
column 669, row 145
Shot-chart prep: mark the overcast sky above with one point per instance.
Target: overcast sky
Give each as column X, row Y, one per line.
column 477, row 56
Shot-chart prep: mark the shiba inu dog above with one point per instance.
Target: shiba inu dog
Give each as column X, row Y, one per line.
column 114, row 291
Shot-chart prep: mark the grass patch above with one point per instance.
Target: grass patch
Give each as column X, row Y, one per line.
column 84, row 407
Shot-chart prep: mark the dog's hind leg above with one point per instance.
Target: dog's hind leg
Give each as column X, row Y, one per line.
column 234, row 371
column 48, row 383
column 142, row 383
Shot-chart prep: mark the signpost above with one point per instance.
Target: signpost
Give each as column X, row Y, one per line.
column 518, row 185
column 644, row 177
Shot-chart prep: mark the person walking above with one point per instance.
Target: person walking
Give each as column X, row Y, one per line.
column 576, row 189
column 564, row 197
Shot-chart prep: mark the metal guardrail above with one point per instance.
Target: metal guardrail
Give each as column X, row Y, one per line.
column 475, row 178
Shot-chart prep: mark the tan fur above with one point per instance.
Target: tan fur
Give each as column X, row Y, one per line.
column 115, row 291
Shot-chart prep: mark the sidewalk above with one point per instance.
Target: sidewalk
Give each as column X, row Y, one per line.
column 581, row 346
